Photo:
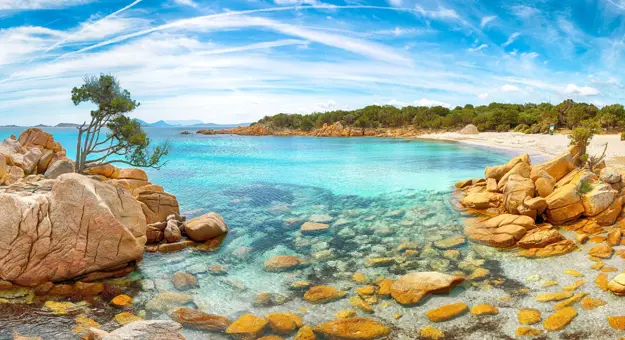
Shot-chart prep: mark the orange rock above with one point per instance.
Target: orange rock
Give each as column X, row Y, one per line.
column 575, row 285
column 568, row 302
column 555, row 249
column 529, row 316
column 361, row 304
column 366, row 291
column 557, row 296
column 589, row 303
column 411, row 288
column 313, row 228
column 430, row 332
column 603, row 251
column 282, row 263
column 323, row 294
column 352, row 328
column 527, row 331
column 614, row 237
column 484, row 310
column 305, row 333
column 560, row 319
column 617, row 322
column 193, row 318
column 247, row 326
column 602, row 281
column 184, row 281
column 447, row 312
column 284, row 323
column 360, row 278
column 122, row 300
column 385, row 287
column 271, row 337
column 346, row 314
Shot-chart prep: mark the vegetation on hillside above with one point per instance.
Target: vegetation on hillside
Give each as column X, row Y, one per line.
column 111, row 136
column 528, row 118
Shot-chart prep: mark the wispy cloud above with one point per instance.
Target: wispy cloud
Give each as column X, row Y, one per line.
column 511, row 39
column 479, row 48
column 509, row 88
column 189, row 3
column 486, row 20
column 40, row 4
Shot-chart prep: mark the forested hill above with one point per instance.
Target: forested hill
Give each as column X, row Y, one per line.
column 529, row 118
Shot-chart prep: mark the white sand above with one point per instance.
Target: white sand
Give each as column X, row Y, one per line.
column 536, row 143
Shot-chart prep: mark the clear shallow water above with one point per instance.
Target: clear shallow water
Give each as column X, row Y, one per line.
column 375, row 193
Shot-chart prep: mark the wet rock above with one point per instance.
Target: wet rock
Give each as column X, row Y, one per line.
column 265, row 299
column 217, row 269
column 560, row 319
column 502, row 231
column 284, row 323
column 557, row 296
column 570, row 301
column 429, row 332
column 139, row 330
column 602, row 251
column 617, row 322
column 477, row 200
column 602, row 282
column 617, row 285
column 184, row 281
column 122, row 300
column 484, row 309
column 125, row 318
column 305, row 333
column 529, row 316
column 278, row 264
column 247, row 326
column 447, row 312
column 379, row 261
column 589, row 303
column 555, row 249
column 320, row 218
column 361, row 304
column 464, row 184
column 206, row 227
column 312, row 228
column 167, row 300
column 83, row 324
column 450, row 243
column 60, row 308
column 528, row 331
column 193, row 318
column 323, row 294
column 352, row 328
column 411, row 288
column 360, row 278
column 540, row 238
column 350, row 313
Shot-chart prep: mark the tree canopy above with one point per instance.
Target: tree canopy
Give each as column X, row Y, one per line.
column 111, row 136
column 529, row 118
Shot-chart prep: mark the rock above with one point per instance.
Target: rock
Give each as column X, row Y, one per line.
column 522, row 170
column 60, row 308
column 545, row 186
column 556, row 168
column 484, row 310
column 491, row 185
column 323, row 294
column 589, row 303
column 502, row 231
column 172, row 233
column 184, row 281
column 361, row 304
column 411, row 288
column 610, row 175
column 497, row 172
column 555, row 249
column 141, row 330
column 131, row 173
column 560, row 319
column 80, row 226
column 158, row 205
column 469, row 130
column 528, row 331
column 602, row 251
column 206, row 227
column 278, row 264
column 464, row 184
column 305, row 333
column 617, row 285
column 617, row 322
column 60, row 167
column 122, row 300
column 570, row 301
column 31, row 160
column 247, row 326
column 352, row 329
column 540, row 238
column 447, row 312
column 598, row 199
column 538, row 204
column 449, row 243
column 309, row 228
column 3, row 167
column 379, row 261
column 83, row 323
column 126, row 318
column 283, row 323
column 557, row 296
column 614, row 237
column 165, row 301
column 564, row 204
column 193, row 318
column 429, row 332
column 529, row 316
column 476, row 201
column 609, row 216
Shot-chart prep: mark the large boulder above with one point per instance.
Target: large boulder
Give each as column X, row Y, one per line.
column 206, row 227
column 63, row 166
column 517, row 190
column 502, row 231
column 564, row 204
column 81, row 226
column 556, row 168
column 598, row 199
column 412, row 287
column 470, row 130
column 158, row 205
column 498, row 171
column 131, row 173
column 610, row 175
column 34, row 137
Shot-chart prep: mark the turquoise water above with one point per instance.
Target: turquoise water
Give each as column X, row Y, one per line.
column 375, row 193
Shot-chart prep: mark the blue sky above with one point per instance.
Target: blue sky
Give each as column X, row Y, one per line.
column 238, row 60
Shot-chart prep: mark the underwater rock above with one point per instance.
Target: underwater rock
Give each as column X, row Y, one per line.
column 140, row 330
column 560, row 319
column 284, row 323
column 312, row 228
column 484, row 309
column 540, row 238
column 602, row 251
column 184, row 281
column 352, row 328
column 411, row 288
column 529, row 316
column 323, row 294
column 247, row 326
column 125, row 318
column 193, row 318
column 282, row 263
column 450, row 243
column 122, row 300
column 555, row 249
column 429, row 332
column 167, row 300
column 447, row 312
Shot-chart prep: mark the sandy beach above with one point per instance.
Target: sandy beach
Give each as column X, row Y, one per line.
column 537, row 143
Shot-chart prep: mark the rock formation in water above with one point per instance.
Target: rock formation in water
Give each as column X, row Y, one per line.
column 553, row 194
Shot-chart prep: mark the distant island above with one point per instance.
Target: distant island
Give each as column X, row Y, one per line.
column 376, row 120
column 186, row 123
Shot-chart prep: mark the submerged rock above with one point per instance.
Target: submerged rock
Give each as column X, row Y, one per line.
column 282, row 263
column 352, row 329
column 196, row 319
column 247, row 326
column 447, row 312
column 411, row 288
column 141, row 330
column 323, row 294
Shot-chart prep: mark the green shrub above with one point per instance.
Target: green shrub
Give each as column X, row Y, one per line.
column 503, row 128
column 521, row 128
column 584, row 187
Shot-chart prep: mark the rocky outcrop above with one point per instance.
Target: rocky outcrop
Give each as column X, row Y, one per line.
column 81, row 226
column 158, row 205
column 469, row 130
column 503, row 231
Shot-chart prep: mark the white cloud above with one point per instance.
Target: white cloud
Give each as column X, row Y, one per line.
column 486, row 20
column 581, row 91
column 40, row 4
column 189, row 3
column 511, row 39
column 429, row 102
column 523, row 11
column 441, row 13
column 296, row 2
column 396, row 3
column 509, row 88
column 479, row 48
column 482, row 95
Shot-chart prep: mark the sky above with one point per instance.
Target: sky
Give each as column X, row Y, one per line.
column 234, row 61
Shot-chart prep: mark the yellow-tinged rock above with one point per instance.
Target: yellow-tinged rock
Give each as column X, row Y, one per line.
column 478, row 273
column 447, row 312
column 430, row 332
column 617, row 322
column 575, row 285
column 529, row 316
column 323, row 294
column 385, row 287
column 557, row 296
column 247, row 326
column 602, row 281
column 83, row 323
column 305, row 333
column 560, row 319
column 603, row 251
column 572, row 272
column 122, row 300
column 352, row 329
column 568, row 302
column 60, row 308
column 271, row 337
column 528, row 331
column 589, row 303
column 549, row 283
column 597, row 265
column 365, row 291
column 126, row 318
column 350, row 313
column 359, row 303
column 360, row 278
column 484, row 309
column 283, row 323
column 411, row 288
column 397, row 316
